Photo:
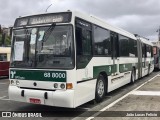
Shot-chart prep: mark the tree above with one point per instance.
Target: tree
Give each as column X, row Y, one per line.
column 0, row 29
column 7, row 38
column 0, row 39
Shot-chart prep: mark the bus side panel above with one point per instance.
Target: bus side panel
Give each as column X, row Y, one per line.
column 4, row 68
column 85, row 88
column 87, row 78
column 124, row 75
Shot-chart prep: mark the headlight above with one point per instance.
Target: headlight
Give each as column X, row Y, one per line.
column 12, row 82
column 55, row 85
column 62, row 86
column 17, row 82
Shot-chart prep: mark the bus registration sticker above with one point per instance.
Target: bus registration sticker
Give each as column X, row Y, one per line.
column 36, row 100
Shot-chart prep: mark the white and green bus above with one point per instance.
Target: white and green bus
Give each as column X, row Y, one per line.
column 66, row 59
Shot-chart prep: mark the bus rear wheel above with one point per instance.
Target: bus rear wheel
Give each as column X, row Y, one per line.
column 100, row 89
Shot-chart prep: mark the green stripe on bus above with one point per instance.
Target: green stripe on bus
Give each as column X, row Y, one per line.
column 125, row 67
column 109, row 69
column 38, row 75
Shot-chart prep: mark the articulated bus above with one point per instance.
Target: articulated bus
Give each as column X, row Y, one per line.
column 156, row 53
column 4, row 61
column 68, row 58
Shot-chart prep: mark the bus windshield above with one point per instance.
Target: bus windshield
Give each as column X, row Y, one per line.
column 43, row 47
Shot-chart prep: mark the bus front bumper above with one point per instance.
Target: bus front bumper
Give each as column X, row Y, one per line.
column 53, row 98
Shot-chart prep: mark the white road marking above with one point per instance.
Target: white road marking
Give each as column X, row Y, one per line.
column 149, row 93
column 113, row 103
column 5, row 99
column 2, row 97
column 3, row 83
column 90, row 118
column 84, row 108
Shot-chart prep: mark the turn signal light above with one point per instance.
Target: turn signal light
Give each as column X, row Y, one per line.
column 69, row 86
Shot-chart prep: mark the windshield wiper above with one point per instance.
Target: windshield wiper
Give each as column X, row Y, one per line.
column 48, row 32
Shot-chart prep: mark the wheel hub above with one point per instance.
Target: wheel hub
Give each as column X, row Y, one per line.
column 100, row 88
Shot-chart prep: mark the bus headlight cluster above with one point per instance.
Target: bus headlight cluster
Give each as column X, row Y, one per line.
column 59, row 85
column 14, row 82
column 17, row 82
column 62, row 86
column 55, row 85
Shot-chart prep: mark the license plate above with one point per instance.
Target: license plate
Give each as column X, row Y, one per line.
column 35, row 101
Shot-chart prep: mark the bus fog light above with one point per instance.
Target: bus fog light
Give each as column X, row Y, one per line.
column 62, row 86
column 17, row 82
column 55, row 85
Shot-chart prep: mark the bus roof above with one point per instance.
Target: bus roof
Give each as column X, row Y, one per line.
column 96, row 21
column 146, row 41
column 5, row 50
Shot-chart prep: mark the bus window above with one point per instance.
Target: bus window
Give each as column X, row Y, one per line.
column 84, row 44
column 102, row 42
column 144, row 51
column 3, row 57
column 124, row 46
column 148, row 48
column 132, row 48
column 151, row 48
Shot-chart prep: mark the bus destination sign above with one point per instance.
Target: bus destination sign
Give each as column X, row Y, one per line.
column 43, row 19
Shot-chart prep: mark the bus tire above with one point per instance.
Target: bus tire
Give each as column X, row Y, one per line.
column 100, row 89
column 132, row 76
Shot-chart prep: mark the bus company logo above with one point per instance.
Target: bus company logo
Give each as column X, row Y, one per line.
column 13, row 74
column 54, row 75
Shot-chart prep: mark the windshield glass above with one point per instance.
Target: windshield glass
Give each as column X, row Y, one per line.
column 43, row 47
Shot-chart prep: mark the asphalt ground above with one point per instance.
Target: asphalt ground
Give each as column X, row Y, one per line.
column 91, row 110
column 142, row 103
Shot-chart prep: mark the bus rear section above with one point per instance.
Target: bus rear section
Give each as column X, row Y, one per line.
column 4, row 61
column 156, row 53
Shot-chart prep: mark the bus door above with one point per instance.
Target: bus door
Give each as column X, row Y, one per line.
column 140, row 64
column 115, row 54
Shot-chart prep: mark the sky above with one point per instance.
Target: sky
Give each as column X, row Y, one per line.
column 136, row 16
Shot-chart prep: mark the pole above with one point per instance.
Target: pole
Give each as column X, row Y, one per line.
column 48, row 7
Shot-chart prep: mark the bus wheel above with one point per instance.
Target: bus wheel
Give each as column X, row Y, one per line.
column 100, row 89
column 132, row 76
